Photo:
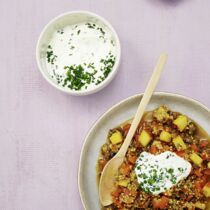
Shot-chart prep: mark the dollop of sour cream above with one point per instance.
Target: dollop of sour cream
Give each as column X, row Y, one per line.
column 158, row 173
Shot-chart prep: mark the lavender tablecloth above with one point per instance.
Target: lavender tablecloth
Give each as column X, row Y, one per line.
column 42, row 130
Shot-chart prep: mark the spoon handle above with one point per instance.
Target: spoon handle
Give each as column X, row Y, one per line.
column 143, row 104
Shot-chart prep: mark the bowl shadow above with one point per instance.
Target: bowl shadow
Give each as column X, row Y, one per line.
column 167, row 2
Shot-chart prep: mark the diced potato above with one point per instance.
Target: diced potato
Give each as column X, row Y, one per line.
column 200, row 205
column 206, row 190
column 181, row 122
column 156, row 143
column 156, row 146
column 123, row 183
column 179, row 143
column 144, row 138
column 208, row 164
column 116, row 137
column 165, row 136
column 161, row 113
column 196, row 159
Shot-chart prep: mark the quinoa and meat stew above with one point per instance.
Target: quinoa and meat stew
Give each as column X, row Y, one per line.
column 167, row 165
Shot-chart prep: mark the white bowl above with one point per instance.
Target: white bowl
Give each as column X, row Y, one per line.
column 63, row 20
column 117, row 114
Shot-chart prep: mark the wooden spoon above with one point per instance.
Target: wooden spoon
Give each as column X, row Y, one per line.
column 106, row 184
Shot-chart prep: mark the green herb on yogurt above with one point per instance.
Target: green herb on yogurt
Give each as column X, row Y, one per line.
column 58, row 77
column 112, row 42
column 106, row 68
column 51, row 58
column 101, row 30
column 77, row 77
column 60, row 31
column 89, row 25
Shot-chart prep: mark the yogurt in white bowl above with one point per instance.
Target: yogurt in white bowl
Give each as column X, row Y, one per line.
column 78, row 53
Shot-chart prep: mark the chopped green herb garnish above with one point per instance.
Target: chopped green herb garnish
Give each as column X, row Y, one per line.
column 60, row 31
column 76, row 77
column 89, row 25
column 51, row 58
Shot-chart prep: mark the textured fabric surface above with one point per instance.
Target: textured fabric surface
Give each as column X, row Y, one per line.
column 42, row 129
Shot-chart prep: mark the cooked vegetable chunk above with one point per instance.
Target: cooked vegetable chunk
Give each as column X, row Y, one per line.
column 206, row 190
column 179, row 143
column 157, row 143
column 116, row 137
column 161, row 114
column 125, row 169
column 155, row 147
column 144, row 138
column 181, row 122
column 123, row 183
column 208, row 164
column 200, row 205
column 196, row 159
column 165, row 136
column 161, row 203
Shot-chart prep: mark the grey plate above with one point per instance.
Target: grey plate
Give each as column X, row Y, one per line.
column 119, row 113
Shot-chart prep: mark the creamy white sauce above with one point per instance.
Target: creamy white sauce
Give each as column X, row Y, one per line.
column 84, row 44
column 158, row 173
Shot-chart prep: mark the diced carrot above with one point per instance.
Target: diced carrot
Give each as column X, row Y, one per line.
column 125, row 169
column 153, row 149
column 205, row 156
column 180, row 153
column 116, row 193
column 161, row 203
column 195, row 148
column 132, row 158
column 198, row 172
column 198, row 186
column 203, row 143
column 205, row 179
column 207, row 171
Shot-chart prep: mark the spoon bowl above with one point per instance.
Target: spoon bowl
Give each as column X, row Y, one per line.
column 105, row 184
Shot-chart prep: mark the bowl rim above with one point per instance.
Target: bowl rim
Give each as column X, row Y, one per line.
column 115, row 68
column 79, row 177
